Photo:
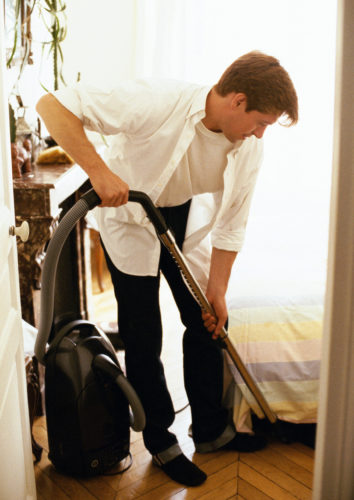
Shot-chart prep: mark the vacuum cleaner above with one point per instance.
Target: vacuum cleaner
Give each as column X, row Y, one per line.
column 90, row 405
column 87, row 395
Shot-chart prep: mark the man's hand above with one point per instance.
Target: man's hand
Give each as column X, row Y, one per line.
column 214, row 324
column 112, row 190
column 220, row 270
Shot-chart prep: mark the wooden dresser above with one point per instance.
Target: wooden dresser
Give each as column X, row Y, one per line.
column 42, row 198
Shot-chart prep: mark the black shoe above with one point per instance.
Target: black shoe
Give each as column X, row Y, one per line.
column 245, row 443
column 182, row 470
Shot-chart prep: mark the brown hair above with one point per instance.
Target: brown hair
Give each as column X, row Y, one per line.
column 265, row 83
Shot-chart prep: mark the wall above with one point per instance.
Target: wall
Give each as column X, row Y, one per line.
column 100, row 43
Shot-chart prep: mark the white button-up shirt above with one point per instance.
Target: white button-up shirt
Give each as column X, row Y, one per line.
column 152, row 124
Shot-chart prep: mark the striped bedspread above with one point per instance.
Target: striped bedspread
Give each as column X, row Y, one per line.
column 281, row 347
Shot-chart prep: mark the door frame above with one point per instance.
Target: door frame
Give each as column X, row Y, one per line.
column 334, row 462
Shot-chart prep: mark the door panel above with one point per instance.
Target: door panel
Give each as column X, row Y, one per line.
column 16, row 471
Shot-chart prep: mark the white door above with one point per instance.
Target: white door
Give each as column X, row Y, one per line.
column 16, row 463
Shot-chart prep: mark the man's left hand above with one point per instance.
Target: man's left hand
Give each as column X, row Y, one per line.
column 214, row 324
column 220, row 270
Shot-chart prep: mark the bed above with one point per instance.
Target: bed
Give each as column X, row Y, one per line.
column 275, row 301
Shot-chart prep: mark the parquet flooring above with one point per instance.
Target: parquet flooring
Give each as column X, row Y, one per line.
column 279, row 472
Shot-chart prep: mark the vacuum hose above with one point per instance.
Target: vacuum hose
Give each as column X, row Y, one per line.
column 87, row 202
column 103, row 363
column 55, row 246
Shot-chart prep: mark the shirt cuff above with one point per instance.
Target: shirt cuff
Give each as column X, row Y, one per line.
column 231, row 240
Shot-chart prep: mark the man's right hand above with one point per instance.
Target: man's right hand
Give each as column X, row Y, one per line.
column 111, row 189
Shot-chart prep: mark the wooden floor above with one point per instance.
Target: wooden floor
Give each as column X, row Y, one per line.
column 280, row 472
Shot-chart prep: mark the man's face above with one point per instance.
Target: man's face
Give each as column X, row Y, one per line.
column 237, row 124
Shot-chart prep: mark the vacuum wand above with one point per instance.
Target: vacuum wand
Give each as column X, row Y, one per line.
column 168, row 241
column 195, row 289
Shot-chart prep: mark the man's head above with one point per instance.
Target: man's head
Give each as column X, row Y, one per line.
column 253, row 93
column 265, row 83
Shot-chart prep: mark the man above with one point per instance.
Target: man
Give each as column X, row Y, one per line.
column 196, row 152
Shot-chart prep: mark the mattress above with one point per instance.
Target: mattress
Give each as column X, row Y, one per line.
column 281, row 348
column 276, row 303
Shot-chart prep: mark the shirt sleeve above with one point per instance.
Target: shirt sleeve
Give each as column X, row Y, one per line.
column 133, row 107
column 229, row 231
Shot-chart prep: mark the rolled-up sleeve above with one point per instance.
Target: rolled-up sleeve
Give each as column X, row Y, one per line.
column 229, row 233
column 230, row 228
column 69, row 97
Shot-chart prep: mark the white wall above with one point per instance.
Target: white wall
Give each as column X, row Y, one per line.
column 100, row 43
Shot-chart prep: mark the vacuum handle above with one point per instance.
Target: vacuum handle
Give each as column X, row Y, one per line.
column 105, row 365
column 92, row 199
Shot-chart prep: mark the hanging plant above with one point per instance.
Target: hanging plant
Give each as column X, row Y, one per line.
column 54, row 18
column 17, row 17
column 22, row 36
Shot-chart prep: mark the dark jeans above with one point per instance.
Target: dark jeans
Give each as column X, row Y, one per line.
column 140, row 326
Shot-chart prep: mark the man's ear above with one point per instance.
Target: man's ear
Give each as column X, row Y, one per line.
column 237, row 99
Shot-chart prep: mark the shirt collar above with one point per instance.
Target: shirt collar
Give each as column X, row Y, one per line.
column 199, row 103
column 197, row 110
